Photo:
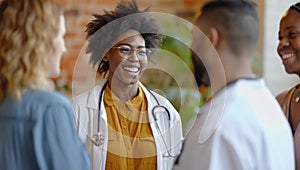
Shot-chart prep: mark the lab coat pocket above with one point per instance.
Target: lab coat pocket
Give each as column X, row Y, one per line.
column 113, row 145
column 145, row 147
column 116, row 144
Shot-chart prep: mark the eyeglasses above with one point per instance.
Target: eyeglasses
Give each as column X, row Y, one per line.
column 125, row 51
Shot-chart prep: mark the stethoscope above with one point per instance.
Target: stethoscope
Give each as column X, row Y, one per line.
column 98, row 139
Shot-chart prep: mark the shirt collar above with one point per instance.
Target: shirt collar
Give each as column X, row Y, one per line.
column 111, row 98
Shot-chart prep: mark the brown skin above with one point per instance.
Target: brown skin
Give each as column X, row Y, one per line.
column 218, row 57
column 122, row 80
column 289, row 41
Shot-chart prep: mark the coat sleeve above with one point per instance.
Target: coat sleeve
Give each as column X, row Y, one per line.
column 176, row 128
column 56, row 141
column 76, row 110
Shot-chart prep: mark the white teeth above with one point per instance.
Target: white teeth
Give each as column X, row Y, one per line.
column 131, row 69
column 286, row 56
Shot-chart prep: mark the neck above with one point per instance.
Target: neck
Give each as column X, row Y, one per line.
column 124, row 92
column 235, row 67
column 238, row 74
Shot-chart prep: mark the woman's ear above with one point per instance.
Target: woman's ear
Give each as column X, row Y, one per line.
column 214, row 36
column 105, row 58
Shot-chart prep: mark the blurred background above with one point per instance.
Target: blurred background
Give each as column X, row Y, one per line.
column 170, row 73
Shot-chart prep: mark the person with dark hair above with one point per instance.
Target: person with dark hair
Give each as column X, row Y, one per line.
column 201, row 77
column 37, row 126
column 289, row 51
column 242, row 126
column 124, row 124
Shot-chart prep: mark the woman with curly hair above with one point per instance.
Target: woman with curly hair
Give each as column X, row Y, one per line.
column 124, row 124
column 37, row 127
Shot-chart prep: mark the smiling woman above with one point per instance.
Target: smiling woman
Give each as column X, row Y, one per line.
column 289, row 40
column 289, row 52
column 132, row 127
column 126, row 67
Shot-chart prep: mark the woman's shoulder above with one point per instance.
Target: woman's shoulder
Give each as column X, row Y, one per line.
column 34, row 104
column 83, row 97
column 46, row 97
column 286, row 93
column 284, row 98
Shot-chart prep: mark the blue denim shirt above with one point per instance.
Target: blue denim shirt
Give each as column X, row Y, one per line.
column 38, row 132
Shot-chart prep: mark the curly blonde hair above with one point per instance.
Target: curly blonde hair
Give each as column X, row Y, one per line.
column 28, row 29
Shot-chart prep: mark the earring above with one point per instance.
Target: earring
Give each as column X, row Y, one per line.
column 297, row 94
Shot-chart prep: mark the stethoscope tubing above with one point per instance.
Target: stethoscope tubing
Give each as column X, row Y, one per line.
column 153, row 109
column 100, row 103
column 152, row 112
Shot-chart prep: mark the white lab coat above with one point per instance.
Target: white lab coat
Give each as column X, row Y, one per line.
column 243, row 128
column 86, row 113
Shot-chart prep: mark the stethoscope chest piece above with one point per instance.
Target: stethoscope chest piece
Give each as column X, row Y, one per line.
column 98, row 139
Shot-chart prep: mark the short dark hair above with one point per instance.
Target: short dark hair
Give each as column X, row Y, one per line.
column 295, row 7
column 236, row 20
column 104, row 30
column 200, row 72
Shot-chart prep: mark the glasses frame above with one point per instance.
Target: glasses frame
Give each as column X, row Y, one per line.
column 132, row 50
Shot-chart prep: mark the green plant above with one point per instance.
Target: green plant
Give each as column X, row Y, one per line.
column 170, row 72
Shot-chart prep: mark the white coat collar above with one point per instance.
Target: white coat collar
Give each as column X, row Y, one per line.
column 150, row 102
column 93, row 96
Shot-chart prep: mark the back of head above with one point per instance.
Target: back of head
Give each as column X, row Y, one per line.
column 236, row 20
column 28, row 29
column 295, row 7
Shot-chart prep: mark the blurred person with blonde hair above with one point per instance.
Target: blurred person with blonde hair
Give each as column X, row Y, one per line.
column 37, row 127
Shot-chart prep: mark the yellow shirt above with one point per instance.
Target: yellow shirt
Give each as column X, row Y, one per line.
column 130, row 140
